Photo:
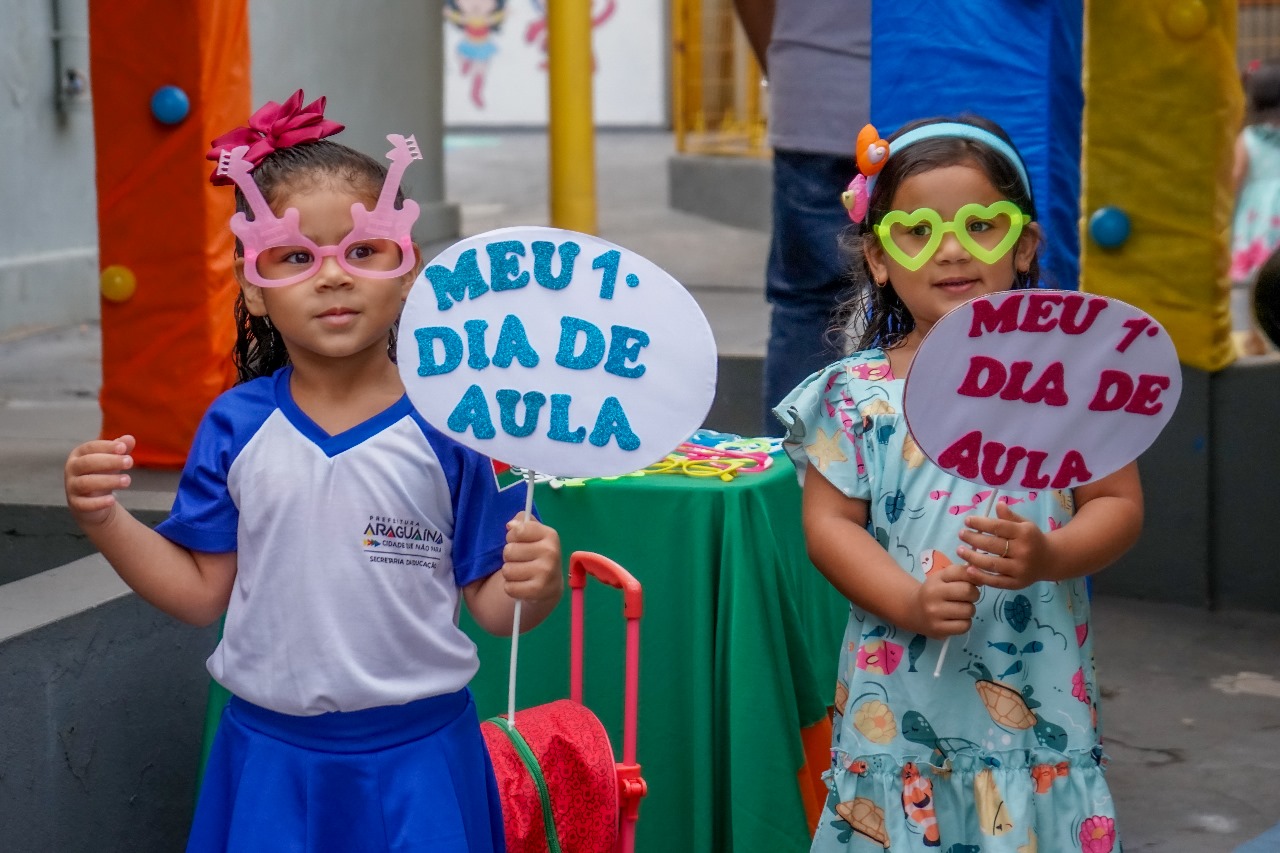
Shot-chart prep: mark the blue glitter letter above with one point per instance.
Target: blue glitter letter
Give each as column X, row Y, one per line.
column 560, row 421
column 454, row 285
column 504, row 267
column 624, row 346
column 592, row 351
column 472, row 411
column 612, row 421
column 477, row 359
column 542, row 252
column 609, row 263
column 507, row 401
column 427, row 364
column 513, row 342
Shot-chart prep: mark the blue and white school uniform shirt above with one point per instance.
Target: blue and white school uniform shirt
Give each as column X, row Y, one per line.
column 351, row 550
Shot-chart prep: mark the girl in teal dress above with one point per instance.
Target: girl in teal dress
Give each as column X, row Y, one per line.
column 1255, row 228
column 1255, row 225
column 1000, row 750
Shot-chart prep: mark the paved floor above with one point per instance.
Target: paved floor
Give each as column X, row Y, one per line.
column 1191, row 698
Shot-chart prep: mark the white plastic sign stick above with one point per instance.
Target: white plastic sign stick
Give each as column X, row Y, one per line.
column 515, row 627
column 986, row 513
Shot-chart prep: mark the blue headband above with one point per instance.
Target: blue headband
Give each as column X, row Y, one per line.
column 964, row 131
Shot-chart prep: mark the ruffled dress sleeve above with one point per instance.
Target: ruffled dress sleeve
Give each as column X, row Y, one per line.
column 824, row 426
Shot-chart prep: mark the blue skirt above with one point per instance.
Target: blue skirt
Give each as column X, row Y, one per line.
column 395, row 779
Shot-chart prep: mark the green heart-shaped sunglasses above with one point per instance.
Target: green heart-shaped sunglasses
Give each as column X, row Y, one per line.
column 986, row 231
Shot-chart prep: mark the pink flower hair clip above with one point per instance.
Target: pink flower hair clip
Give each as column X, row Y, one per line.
column 855, row 198
column 272, row 127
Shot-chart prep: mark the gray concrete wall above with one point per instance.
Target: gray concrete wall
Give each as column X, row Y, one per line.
column 48, row 227
column 737, row 191
column 1173, row 559
column 737, row 406
column 1245, row 418
column 378, row 61
column 34, row 539
column 102, row 713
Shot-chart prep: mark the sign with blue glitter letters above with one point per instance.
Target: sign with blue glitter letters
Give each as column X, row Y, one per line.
column 556, row 351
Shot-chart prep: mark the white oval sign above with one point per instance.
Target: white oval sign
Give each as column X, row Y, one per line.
column 556, row 351
column 1041, row 389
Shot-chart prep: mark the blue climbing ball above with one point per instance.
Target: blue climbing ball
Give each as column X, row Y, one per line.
column 1109, row 227
column 170, row 105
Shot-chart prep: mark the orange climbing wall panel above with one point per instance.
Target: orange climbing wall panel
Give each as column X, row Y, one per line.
column 166, row 350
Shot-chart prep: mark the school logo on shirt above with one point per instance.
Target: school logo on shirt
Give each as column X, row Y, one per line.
column 391, row 530
column 505, row 476
column 401, row 541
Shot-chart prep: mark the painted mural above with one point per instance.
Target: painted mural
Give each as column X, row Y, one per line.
column 496, row 63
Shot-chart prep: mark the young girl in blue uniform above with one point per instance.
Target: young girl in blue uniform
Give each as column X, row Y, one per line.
column 337, row 530
column 1000, row 751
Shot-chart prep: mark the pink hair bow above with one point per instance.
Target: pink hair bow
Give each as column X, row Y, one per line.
column 272, row 127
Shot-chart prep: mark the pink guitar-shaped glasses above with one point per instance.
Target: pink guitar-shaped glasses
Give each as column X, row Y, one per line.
column 276, row 253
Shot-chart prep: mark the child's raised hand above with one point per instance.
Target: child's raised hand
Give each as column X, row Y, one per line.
column 945, row 602
column 531, row 561
column 93, row 472
column 1007, row 552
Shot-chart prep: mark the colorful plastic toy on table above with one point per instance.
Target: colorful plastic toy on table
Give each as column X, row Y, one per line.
column 695, row 460
column 705, row 454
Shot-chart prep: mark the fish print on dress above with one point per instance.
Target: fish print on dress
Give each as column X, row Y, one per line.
column 917, row 802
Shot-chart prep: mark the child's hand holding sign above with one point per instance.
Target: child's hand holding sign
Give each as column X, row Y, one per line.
column 1041, row 391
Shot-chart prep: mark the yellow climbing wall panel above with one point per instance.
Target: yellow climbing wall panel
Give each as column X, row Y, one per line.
column 1163, row 105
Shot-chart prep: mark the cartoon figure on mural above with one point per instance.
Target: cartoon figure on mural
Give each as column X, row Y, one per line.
column 537, row 30
column 479, row 21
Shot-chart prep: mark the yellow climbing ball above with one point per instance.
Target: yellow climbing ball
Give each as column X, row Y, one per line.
column 117, row 283
column 1186, row 19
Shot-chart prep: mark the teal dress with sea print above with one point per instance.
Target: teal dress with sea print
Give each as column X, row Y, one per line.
column 1000, row 753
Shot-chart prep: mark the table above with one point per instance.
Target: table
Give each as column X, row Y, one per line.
column 738, row 651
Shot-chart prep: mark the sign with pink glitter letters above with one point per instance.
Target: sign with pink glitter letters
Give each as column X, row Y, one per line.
column 1041, row 389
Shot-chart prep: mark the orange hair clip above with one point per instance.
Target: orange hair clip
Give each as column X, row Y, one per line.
column 870, row 150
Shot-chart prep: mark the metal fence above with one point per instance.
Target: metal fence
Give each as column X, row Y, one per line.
column 719, row 101
column 1258, row 32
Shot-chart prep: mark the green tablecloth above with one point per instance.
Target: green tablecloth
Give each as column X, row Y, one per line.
column 738, row 650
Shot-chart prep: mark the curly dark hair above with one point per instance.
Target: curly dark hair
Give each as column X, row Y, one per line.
column 877, row 315
column 259, row 349
column 1266, row 298
column 1262, row 91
